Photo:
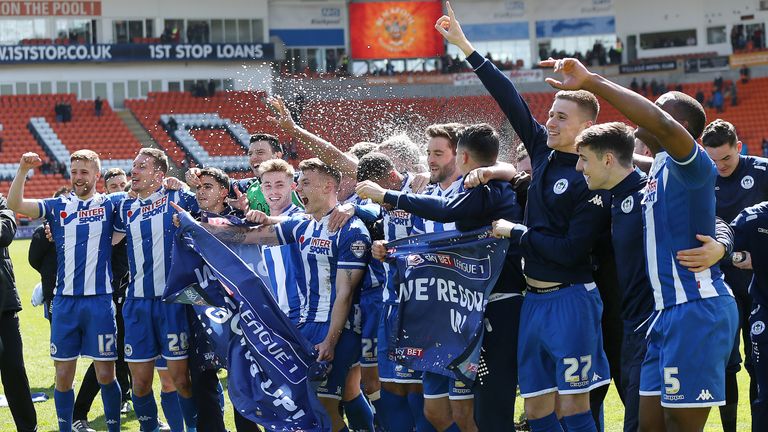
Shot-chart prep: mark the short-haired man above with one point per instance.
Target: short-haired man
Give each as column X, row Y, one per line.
column 12, row 369
column 154, row 328
column 115, row 181
column 691, row 336
column 446, row 401
column 211, row 197
column 742, row 181
column 333, row 266
column 81, row 225
column 562, row 310
column 751, row 231
column 477, row 147
column 262, row 147
column 400, row 387
column 605, row 159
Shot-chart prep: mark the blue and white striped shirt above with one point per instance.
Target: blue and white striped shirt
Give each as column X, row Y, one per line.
column 283, row 264
column 323, row 253
column 423, row 226
column 148, row 225
column 678, row 203
column 82, row 232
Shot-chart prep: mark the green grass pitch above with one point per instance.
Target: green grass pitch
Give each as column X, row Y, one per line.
column 35, row 332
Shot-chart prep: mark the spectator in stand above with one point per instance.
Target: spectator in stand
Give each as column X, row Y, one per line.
column 654, row 87
column 757, row 39
column 330, row 60
column 97, row 105
column 634, row 86
column 717, row 101
column 718, row 82
column 765, row 147
column 344, row 65
column 644, row 87
column 12, row 370
column 679, row 87
column 700, row 98
column 211, row 88
column 744, row 73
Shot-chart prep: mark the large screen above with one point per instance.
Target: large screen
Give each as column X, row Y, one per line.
column 395, row 30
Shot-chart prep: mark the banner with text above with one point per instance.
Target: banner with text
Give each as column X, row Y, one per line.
column 395, row 30
column 50, row 8
column 270, row 363
column 517, row 76
column 134, row 52
column 445, row 280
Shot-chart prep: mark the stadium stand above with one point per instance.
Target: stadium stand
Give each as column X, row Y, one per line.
column 29, row 124
column 214, row 131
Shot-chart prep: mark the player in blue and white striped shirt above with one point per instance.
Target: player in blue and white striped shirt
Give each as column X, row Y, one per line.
column 446, row 400
column 692, row 334
column 153, row 328
column 283, row 262
column 333, row 263
column 84, row 322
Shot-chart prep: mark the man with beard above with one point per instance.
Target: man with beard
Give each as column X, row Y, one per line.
column 84, row 318
column 154, row 328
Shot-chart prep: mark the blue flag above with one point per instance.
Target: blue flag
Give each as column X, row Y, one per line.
column 270, row 363
column 444, row 281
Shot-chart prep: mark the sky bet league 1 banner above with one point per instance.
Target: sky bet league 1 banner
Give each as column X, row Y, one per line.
column 445, row 279
column 395, row 30
column 135, row 52
column 270, row 363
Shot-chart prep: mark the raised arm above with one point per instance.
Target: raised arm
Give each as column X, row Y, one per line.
column 655, row 125
column 498, row 85
column 317, row 146
column 16, row 200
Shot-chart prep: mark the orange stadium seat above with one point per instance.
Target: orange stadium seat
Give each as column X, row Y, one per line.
column 342, row 122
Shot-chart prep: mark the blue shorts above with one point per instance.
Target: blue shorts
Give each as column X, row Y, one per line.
column 389, row 370
column 560, row 345
column 688, row 349
column 370, row 309
column 438, row 386
column 345, row 355
column 154, row 328
column 83, row 326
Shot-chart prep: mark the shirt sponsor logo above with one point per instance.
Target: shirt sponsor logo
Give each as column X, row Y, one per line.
column 146, row 211
column 83, row 216
column 560, row 186
column 319, row 246
column 628, row 204
column 409, row 352
column 399, row 217
column 650, row 191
